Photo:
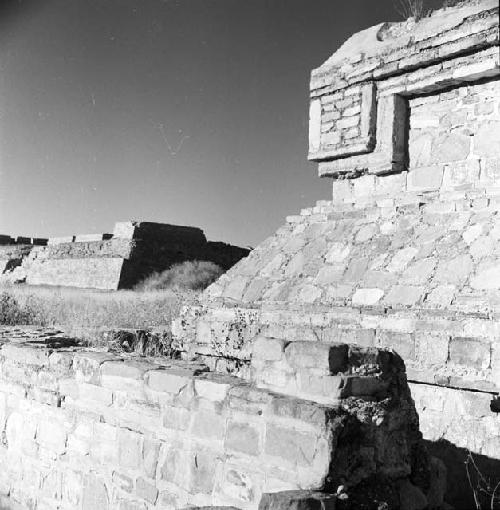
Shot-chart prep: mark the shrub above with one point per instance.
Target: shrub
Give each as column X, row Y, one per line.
column 12, row 313
column 189, row 275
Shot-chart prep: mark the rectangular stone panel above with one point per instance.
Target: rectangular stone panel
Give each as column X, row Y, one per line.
column 342, row 123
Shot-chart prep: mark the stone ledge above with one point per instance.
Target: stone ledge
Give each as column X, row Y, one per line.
column 448, row 32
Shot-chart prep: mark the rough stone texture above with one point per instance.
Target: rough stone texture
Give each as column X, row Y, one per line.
column 298, row 500
column 405, row 255
column 93, row 430
column 111, row 261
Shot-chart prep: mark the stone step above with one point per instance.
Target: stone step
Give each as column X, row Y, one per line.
column 324, row 373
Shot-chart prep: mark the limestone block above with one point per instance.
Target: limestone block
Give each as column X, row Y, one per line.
column 208, row 425
column 406, row 295
column 95, row 493
column 243, row 437
column 129, row 449
column 470, row 352
column 309, row 294
column 125, row 504
column 342, row 190
column 298, row 500
column 125, row 229
column 236, row 288
column 486, row 278
column 146, row 490
column 268, row 349
column 169, row 382
column 461, row 173
column 60, row 240
column 254, row 290
column 332, row 138
column 337, row 253
column 203, row 467
column 356, row 270
column 176, row 418
column 123, row 376
column 367, row 297
column 326, row 389
column 490, row 172
column 52, row 436
column 455, row 270
column 96, row 394
column 401, row 259
column 124, row 482
column 402, row 343
column 87, row 365
column 293, row 447
column 348, row 122
column 432, row 348
column 26, row 354
column 213, row 390
column 326, row 358
column 425, row 178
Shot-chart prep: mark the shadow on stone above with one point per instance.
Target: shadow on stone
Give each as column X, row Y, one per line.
column 459, row 493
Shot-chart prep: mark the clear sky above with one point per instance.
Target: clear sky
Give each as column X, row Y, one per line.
column 191, row 112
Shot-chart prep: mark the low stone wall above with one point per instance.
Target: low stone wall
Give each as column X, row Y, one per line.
column 93, row 430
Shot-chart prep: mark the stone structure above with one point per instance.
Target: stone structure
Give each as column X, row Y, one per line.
column 110, row 261
column 405, row 118
column 96, row 431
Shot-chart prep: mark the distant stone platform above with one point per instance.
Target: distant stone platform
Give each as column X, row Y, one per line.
column 109, row 261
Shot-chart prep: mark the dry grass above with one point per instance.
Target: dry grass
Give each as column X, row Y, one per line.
column 411, row 9
column 85, row 312
column 131, row 320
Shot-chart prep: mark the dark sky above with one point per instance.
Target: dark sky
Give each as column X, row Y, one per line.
column 190, row 112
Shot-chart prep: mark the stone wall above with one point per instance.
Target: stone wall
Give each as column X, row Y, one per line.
column 111, row 261
column 93, row 430
column 404, row 119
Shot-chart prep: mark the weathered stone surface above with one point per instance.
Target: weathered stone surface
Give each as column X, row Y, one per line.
column 112, row 261
column 95, row 494
column 298, row 500
column 405, row 255
column 214, row 438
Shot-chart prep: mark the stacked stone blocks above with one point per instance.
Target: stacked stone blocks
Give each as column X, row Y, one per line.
column 405, row 255
column 87, row 429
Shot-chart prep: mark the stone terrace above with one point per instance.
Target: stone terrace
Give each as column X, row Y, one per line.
column 95, row 430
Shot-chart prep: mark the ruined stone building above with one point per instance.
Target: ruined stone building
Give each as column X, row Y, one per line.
column 114, row 261
column 405, row 121
column 294, row 371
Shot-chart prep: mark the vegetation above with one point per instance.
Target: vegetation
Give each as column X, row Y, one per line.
column 411, row 9
column 190, row 275
column 79, row 308
column 131, row 320
column 417, row 9
column 486, row 493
